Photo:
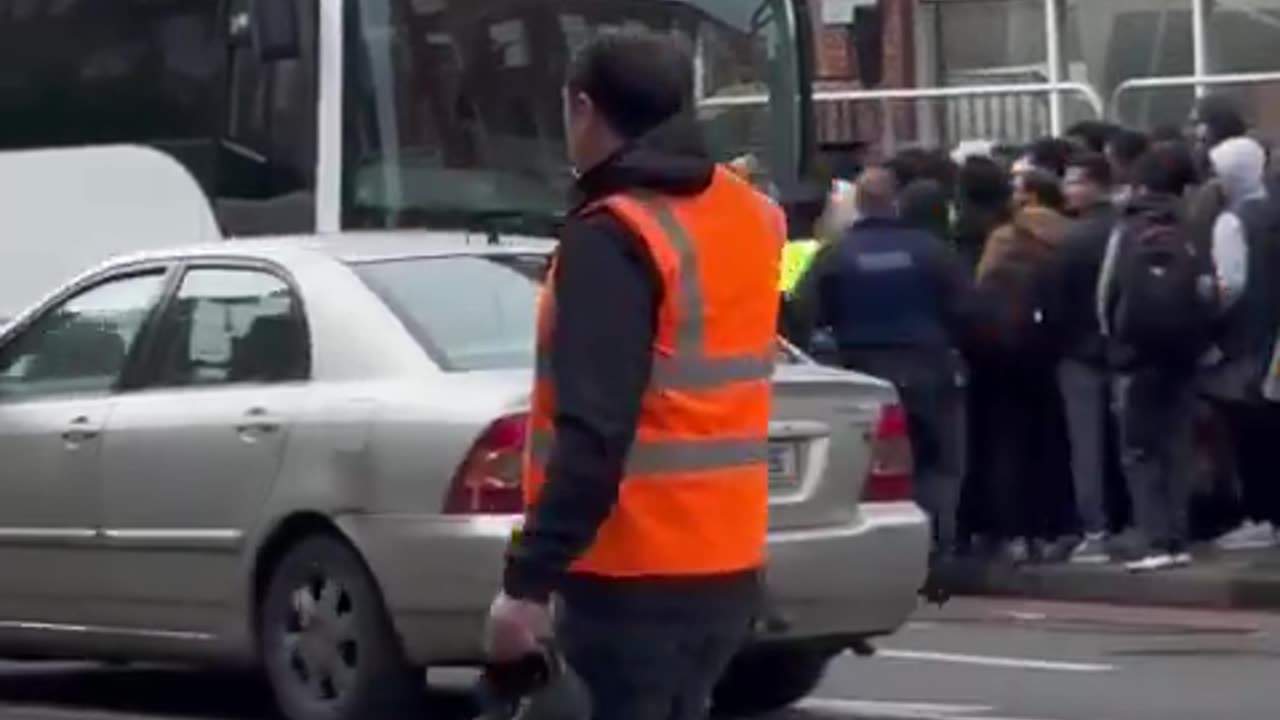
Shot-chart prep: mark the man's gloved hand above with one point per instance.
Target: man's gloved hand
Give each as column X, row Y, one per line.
column 516, row 628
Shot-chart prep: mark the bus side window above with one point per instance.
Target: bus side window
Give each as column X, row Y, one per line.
column 266, row 162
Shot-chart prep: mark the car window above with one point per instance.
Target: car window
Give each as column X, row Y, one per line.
column 79, row 346
column 468, row 312
column 231, row 325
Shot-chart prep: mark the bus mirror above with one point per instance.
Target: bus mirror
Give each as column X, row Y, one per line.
column 275, row 30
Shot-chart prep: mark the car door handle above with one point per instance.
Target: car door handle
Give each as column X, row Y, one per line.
column 79, row 431
column 257, row 421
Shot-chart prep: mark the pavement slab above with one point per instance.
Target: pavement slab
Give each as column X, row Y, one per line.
column 1247, row 580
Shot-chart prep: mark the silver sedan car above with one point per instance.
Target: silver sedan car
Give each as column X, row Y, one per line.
column 304, row 455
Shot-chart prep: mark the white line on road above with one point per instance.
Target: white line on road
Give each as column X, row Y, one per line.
column 40, row 712
column 883, row 710
column 994, row 661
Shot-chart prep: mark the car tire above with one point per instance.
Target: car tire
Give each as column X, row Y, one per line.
column 326, row 641
column 767, row 678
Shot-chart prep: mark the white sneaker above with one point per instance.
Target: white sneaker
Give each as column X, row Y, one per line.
column 1151, row 563
column 1091, row 551
column 1250, row 536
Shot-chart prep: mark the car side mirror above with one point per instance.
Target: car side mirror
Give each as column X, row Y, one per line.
column 271, row 28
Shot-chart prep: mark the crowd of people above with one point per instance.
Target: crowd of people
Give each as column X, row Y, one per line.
column 1082, row 331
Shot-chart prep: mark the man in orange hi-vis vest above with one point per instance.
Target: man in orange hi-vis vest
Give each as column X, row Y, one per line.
column 646, row 475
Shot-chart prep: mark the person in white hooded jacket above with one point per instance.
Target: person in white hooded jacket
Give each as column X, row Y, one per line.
column 1246, row 253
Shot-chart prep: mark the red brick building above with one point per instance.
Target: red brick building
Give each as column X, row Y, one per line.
column 837, row 68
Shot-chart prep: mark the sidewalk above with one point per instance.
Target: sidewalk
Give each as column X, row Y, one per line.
column 1241, row 580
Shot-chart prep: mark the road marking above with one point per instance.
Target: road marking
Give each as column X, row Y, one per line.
column 41, row 712
column 994, row 661
column 884, row 710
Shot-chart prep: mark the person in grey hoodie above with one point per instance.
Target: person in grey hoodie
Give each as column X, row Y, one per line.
column 1246, row 254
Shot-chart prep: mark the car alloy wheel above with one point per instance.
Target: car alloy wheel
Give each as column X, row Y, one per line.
column 320, row 641
column 325, row 638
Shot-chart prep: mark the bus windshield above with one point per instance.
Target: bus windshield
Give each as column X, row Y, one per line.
column 452, row 108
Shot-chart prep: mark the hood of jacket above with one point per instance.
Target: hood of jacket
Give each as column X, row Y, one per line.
column 1239, row 164
column 672, row 160
column 1047, row 226
column 1027, row 240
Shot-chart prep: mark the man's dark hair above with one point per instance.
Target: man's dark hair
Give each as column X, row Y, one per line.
column 1222, row 117
column 983, row 183
column 1128, row 145
column 1168, row 168
column 917, row 163
column 1051, row 154
column 923, row 204
column 1093, row 134
column 1044, row 186
column 1094, row 167
column 639, row 79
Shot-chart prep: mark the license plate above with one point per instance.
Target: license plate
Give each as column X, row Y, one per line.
column 783, row 465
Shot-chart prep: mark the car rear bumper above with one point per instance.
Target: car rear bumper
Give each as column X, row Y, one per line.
column 438, row 576
column 858, row 581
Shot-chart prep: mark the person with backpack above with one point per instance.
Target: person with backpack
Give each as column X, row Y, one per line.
column 1157, row 303
column 1246, row 251
column 1023, row 408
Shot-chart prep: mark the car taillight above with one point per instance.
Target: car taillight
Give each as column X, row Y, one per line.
column 890, row 476
column 488, row 481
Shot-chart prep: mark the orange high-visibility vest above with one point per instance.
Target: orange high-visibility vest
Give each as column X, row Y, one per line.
column 694, row 497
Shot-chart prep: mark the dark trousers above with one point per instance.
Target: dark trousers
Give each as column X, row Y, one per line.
column 656, row 667
column 1157, row 418
column 1028, row 487
column 1254, row 428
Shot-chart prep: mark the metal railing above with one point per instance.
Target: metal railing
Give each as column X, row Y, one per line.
column 1171, row 82
column 1091, row 96
column 1013, row 111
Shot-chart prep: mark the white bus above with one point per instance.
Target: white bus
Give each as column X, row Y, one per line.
column 318, row 116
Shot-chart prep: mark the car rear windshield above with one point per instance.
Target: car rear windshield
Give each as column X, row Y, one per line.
column 474, row 312
column 469, row 312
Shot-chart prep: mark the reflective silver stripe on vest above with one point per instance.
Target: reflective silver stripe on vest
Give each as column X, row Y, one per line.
column 671, row 456
column 685, row 372
column 688, row 368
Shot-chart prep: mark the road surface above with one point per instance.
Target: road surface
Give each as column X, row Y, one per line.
column 974, row 660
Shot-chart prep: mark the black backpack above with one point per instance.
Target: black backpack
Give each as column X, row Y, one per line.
column 1166, row 290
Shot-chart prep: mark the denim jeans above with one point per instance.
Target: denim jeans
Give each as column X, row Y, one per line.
column 1085, row 391
column 649, row 667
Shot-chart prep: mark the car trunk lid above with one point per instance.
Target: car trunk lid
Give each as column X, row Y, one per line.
column 820, row 443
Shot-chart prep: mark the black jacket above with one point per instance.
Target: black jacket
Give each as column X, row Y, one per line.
column 1076, row 268
column 607, row 295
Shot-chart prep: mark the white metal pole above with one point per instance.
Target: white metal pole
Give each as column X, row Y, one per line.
column 1053, row 57
column 329, row 108
column 1199, row 43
